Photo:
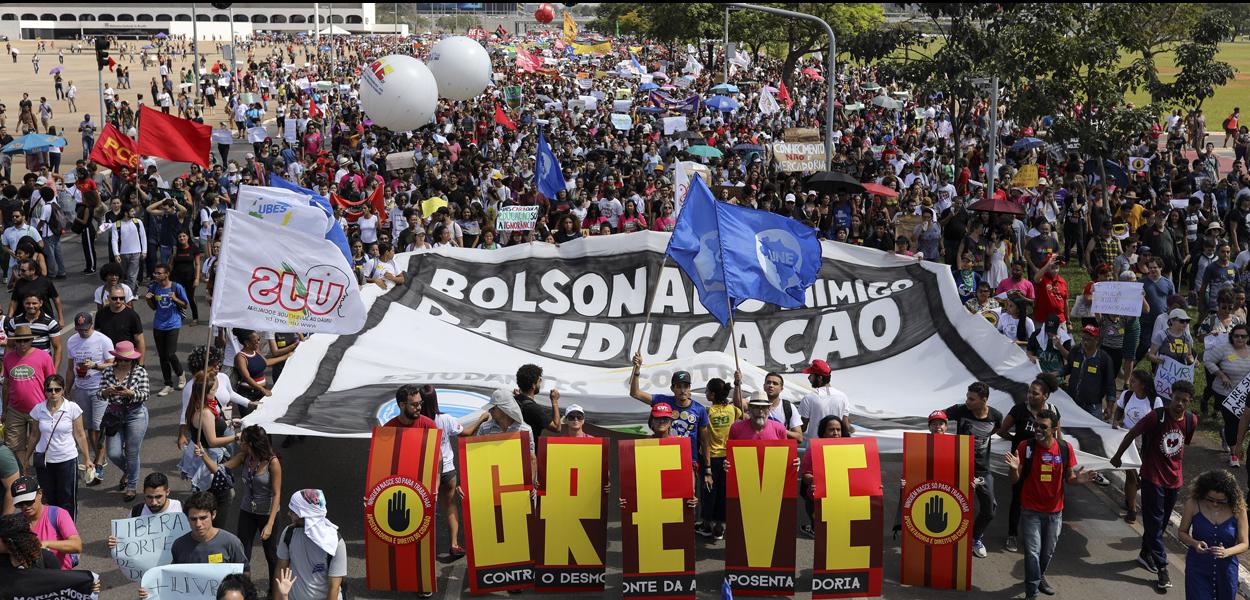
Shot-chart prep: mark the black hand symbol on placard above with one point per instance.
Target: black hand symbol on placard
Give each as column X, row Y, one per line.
column 397, row 513
column 935, row 515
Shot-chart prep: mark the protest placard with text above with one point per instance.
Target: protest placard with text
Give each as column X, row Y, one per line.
column 145, row 542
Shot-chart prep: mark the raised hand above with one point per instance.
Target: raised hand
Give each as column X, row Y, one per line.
column 397, row 513
column 935, row 514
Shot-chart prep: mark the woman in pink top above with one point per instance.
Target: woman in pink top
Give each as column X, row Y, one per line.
column 665, row 222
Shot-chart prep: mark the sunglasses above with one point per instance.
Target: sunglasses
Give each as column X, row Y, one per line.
column 575, row 417
column 23, row 505
column 52, row 390
column 119, row 298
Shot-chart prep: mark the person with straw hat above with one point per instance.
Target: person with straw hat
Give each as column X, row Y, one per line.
column 25, row 370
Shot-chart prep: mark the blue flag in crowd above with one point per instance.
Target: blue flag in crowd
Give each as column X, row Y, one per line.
column 733, row 253
column 335, row 234
column 634, row 65
column 548, row 175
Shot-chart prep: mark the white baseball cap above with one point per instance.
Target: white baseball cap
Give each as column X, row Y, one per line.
column 573, row 408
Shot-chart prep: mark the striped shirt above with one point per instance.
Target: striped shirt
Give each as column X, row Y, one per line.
column 42, row 328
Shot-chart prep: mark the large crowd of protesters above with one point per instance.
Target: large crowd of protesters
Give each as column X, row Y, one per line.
column 1181, row 226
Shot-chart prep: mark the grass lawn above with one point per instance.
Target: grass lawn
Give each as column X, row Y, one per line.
column 1235, row 93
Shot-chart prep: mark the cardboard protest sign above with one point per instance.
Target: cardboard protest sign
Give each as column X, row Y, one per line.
column 401, row 160
column 846, row 484
column 622, row 122
column 516, row 218
column 1026, row 177
column 761, row 501
column 145, row 542
column 495, row 483
column 801, row 134
column 657, row 526
column 1118, row 298
column 799, row 156
column 1172, row 371
column 571, row 542
column 401, row 488
column 937, row 511
column 187, row 581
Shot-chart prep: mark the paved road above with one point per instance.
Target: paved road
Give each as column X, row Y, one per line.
column 1094, row 558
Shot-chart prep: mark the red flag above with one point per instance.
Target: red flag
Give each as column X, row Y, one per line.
column 172, row 138
column 527, row 62
column 115, row 150
column 501, row 32
column 112, row 63
column 314, row 111
column 784, row 95
column 352, row 210
column 502, row 118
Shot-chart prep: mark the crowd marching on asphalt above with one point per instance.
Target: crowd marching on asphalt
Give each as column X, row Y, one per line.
column 76, row 405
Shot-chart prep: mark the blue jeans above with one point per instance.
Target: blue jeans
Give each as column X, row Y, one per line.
column 52, row 255
column 1039, row 532
column 123, row 448
column 1156, row 506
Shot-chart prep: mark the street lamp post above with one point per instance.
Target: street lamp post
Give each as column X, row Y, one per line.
column 832, row 75
column 991, row 175
column 195, row 54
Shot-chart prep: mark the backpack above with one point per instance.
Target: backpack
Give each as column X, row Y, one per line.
column 56, row 220
column 286, row 539
column 53, row 511
column 1026, row 464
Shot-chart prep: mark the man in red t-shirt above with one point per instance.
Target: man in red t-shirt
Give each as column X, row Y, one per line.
column 408, row 397
column 1046, row 464
column 1052, row 292
column 1165, row 432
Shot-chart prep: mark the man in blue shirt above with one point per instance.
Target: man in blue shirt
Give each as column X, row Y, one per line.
column 1157, row 289
column 689, row 417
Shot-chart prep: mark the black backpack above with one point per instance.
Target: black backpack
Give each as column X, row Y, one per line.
column 286, row 539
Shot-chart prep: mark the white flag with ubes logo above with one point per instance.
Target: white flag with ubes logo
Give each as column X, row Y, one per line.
column 278, row 279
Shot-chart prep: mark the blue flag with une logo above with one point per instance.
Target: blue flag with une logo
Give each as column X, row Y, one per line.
column 734, row 254
column 548, row 176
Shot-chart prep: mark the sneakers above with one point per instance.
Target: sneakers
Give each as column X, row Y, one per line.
column 165, row 391
column 704, row 529
column 1147, row 563
column 978, row 549
column 1100, row 480
column 182, row 382
column 1011, row 544
column 1044, row 587
column 808, row 531
column 718, row 532
column 1165, row 581
column 1234, row 462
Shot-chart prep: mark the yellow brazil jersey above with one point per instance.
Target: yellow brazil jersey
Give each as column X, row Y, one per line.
column 721, row 417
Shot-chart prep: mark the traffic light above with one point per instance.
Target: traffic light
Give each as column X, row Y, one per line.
column 101, row 53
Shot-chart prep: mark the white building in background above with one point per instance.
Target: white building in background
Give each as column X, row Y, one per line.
column 144, row 20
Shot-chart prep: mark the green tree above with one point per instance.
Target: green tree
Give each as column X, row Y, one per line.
column 1200, row 71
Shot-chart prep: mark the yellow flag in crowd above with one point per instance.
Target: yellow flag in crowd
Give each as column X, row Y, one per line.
column 570, row 28
column 601, row 48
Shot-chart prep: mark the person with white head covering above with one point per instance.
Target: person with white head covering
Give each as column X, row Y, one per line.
column 311, row 550
column 502, row 415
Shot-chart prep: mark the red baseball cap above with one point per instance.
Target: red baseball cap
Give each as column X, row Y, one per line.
column 819, row 367
column 938, row 415
column 1092, row 330
column 661, row 411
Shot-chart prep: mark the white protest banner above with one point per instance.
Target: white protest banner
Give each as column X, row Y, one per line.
column 592, row 103
column 873, row 317
column 303, row 83
column 799, row 156
column 516, row 218
column 1179, row 203
column 256, row 135
column 585, row 84
column 622, row 122
column 683, row 82
column 222, row 136
column 283, row 208
column 271, row 278
column 290, row 132
column 1117, row 298
column 187, row 581
column 598, row 94
column 621, row 106
column 1235, row 402
column 674, row 124
column 1170, row 372
column 682, row 173
column 144, row 542
column 577, row 105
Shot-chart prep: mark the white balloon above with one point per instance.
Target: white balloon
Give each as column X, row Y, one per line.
column 398, row 92
column 461, row 66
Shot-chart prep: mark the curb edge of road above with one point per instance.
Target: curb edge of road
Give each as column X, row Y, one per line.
column 1174, row 521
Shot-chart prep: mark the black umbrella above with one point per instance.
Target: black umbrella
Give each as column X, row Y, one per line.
column 833, row 182
column 688, row 135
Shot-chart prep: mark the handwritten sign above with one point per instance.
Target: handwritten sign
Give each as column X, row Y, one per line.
column 222, row 136
column 1172, row 371
column 622, row 122
column 799, row 156
column 516, row 218
column 187, row 582
column 801, row 134
column 1026, row 177
column 1117, row 298
column 144, row 542
column 256, row 135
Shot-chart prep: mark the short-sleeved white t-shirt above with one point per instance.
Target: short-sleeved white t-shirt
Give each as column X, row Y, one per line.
column 821, row 403
column 57, row 438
